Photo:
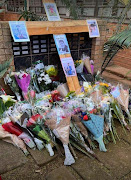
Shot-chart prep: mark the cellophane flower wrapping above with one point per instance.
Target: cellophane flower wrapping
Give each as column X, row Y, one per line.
column 51, row 70
column 12, row 128
column 23, row 81
column 63, row 89
column 123, row 100
column 35, row 125
column 11, row 81
column 13, row 139
column 96, row 126
column 79, row 64
column 59, row 122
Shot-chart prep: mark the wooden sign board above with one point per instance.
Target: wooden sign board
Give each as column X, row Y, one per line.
column 72, row 81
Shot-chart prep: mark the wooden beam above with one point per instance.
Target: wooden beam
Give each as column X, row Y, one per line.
column 59, row 27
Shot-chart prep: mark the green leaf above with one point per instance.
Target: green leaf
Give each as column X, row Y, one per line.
column 4, row 67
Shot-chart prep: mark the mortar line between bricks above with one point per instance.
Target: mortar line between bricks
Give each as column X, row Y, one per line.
column 125, row 175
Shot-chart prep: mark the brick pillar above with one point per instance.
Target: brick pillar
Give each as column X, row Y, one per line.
column 97, row 46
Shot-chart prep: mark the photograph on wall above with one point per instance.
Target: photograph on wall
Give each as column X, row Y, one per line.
column 68, row 66
column 62, row 44
column 93, row 28
column 19, row 31
column 52, row 12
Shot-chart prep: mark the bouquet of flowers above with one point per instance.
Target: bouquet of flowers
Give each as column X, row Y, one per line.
column 44, row 80
column 12, row 128
column 79, row 64
column 123, row 100
column 95, row 125
column 59, row 122
column 11, row 81
column 23, row 80
column 51, row 70
column 35, row 126
column 13, row 139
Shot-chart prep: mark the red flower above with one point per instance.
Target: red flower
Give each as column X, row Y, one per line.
column 33, row 119
column 32, row 93
column 85, row 118
column 24, row 75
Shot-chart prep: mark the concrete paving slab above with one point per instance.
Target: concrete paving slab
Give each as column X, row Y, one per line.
column 29, row 171
column 126, row 137
column 42, row 157
column 117, row 159
column 61, row 173
column 91, row 170
column 10, row 157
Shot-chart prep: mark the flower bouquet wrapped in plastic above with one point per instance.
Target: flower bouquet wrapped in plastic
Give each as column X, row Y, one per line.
column 86, row 60
column 59, row 122
column 123, row 100
column 77, row 139
column 79, row 64
column 13, row 139
column 35, row 125
column 11, row 81
column 23, row 80
column 95, row 125
column 52, row 71
column 77, row 121
column 12, row 128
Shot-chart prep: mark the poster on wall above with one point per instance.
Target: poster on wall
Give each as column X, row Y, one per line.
column 19, row 31
column 93, row 28
column 62, row 44
column 68, row 66
column 51, row 12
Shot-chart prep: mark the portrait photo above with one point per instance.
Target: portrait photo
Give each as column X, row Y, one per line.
column 52, row 12
column 19, row 31
column 93, row 28
column 68, row 66
column 62, row 44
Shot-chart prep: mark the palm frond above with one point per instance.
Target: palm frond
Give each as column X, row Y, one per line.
column 4, row 67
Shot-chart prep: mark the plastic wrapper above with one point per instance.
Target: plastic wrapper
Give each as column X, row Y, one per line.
column 63, row 89
column 123, row 100
column 37, row 129
column 79, row 69
column 51, row 70
column 13, row 139
column 117, row 110
column 96, row 126
column 14, row 129
column 77, row 121
column 59, row 123
column 77, row 136
column 86, row 60
column 24, row 82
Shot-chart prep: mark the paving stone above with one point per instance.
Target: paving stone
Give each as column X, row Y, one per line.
column 61, row 173
column 42, row 157
column 126, row 137
column 10, row 157
column 91, row 170
column 117, row 158
column 127, row 176
column 29, row 171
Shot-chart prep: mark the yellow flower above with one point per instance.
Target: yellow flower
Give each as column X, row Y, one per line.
column 104, row 84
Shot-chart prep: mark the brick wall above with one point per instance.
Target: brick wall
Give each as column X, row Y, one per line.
column 5, row 48
column 122, row 58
